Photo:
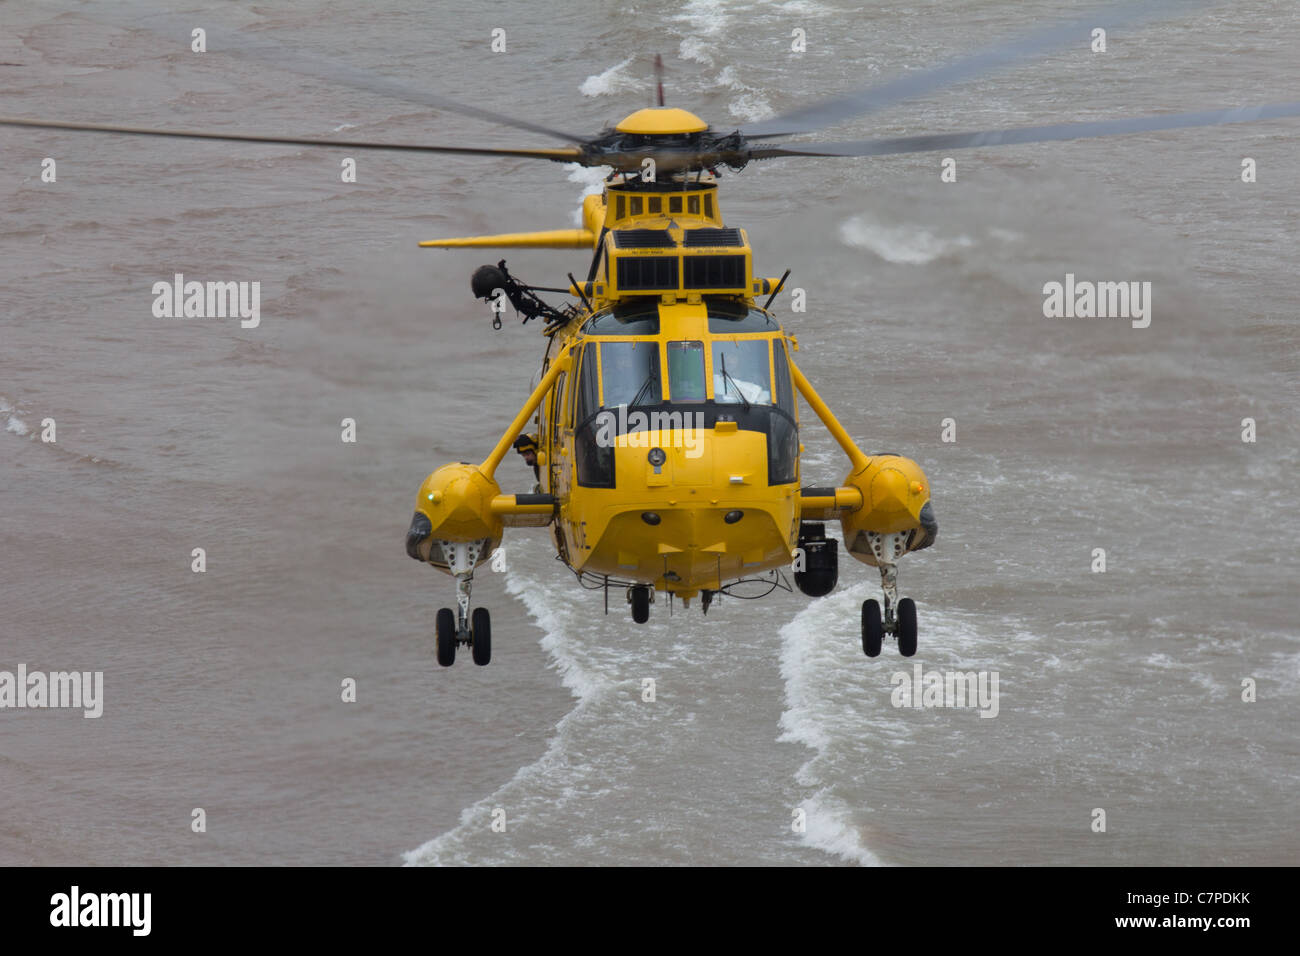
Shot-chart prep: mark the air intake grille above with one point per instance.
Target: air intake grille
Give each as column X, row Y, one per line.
column 715, row 272
column 711, row 237
column 644, row 239
column 647, row 272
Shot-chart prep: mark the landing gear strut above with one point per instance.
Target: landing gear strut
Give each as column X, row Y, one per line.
column 460, row 627
column 899, row 618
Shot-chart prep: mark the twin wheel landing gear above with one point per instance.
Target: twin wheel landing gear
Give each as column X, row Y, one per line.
column 901, row 624
column 459, row 626
column 899, row 618
column 478, row 635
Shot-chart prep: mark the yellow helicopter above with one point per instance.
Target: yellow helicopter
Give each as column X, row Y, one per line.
column 665, row 424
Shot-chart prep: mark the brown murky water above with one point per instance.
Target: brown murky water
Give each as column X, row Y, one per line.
column 1119, row 690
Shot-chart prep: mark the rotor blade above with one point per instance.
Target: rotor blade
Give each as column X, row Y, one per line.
column 1033, row 134
column 827, row 112
column 227, row 40
column 568, row 154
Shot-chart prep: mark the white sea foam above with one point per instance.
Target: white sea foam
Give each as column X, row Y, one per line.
column 614, row 80
column 556, row 766
column 804, row 8
column 751, row 105
column 592, row 181
column 828, row 829
column 839, row 710
column 903, row 245
column 810, row 716
column 15, row 424
column 1283, row 667
column 704, row 17
column 697, row 49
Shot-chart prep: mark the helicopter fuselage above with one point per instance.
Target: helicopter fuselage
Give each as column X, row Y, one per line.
column 671, row 450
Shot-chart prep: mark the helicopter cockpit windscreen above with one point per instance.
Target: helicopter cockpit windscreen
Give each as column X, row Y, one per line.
column 740, row 372
column 686, row 371
column 629, row 373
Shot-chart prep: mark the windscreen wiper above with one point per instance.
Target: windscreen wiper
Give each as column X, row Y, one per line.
column 649, row 380
column 727, row 379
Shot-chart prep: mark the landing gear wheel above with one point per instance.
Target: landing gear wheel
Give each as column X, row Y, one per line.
column 640, row 603
column 446, row 637
column 907, row 627
column 872, row 628
column 480, row 640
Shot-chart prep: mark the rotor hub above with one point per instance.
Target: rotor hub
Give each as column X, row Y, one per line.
column 662, row 121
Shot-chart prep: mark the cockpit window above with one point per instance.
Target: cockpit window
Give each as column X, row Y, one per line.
column 686, row 371
column 784, row 389
column 726, row 317
column 587, row 394
column 740, row 372
column 631, row 318
column 630, row 373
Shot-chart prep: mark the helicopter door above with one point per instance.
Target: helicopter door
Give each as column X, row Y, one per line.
column 593, row 461
column 783, row 433
column 553, row 437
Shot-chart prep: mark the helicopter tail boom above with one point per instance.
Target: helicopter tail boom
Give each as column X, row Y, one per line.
column 593, row 219
column 551, row 239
